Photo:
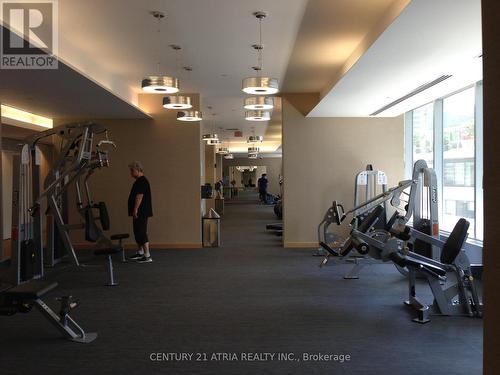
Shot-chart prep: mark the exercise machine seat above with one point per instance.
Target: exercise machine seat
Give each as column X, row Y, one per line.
column 31, row 290
column 108, row 250
column 455, row 241
column 120, row 236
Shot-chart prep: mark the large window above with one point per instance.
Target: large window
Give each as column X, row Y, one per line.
column 447, row 133
column 458, row 158
column 423, row 134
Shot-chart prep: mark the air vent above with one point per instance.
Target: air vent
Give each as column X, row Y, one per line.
column 418, row 90
column 233, row 129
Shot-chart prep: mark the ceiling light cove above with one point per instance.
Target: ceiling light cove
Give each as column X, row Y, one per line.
column 18, row 115
column 257, row 115
column 189, row 116
column 259, row 103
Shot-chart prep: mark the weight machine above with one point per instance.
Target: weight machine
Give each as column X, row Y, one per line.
column 25, row 289
column 420, row 204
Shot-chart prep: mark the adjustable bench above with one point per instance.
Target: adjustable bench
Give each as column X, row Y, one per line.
column 22, row 298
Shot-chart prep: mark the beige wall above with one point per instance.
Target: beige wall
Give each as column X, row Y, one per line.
column 170, row 152
column 321, row 157
column 210, row 172
column 273, row 169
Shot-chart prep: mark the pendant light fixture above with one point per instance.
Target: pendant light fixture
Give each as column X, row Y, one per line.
column 214, row 142
column 257, row 115
column 255, row 139
column 189, row 116
column 259, row 103
column 223, row 150
column 253, row 156
column 177, row 101
column 260, row 85
column 160, row 84
column 211, row 136
column 253, row 150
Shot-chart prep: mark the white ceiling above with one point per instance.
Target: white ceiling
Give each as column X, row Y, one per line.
column 427, row 40
column 330, row 32
column 61, row 94
column 115, row 42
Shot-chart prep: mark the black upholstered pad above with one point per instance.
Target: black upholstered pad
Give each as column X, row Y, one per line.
column 31, row 290
column 454, row 243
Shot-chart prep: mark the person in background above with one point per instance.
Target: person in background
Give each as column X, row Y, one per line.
column 140, row 208
column 262, row 184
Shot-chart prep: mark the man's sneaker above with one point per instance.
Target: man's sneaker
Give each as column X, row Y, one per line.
column 136, row 256
column 144, row 259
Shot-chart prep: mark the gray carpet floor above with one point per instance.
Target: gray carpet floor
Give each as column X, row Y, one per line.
column 249, row 296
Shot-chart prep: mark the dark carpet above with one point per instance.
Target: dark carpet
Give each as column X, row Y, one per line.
column 249, row 296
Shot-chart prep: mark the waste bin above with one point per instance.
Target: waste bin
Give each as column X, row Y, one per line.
column 211, row 229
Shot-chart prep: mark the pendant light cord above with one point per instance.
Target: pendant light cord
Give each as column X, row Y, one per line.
column 159, row 42
column 261, row 47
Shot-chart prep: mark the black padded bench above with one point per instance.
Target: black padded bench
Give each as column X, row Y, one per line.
column 30, row 291
column 22, row 298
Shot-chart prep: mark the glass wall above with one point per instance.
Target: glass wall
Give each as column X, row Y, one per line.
column 447, row 134
column 423, row 134
column 459, row 158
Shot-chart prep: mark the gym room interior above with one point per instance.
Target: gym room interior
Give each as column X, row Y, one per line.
column 249, row 187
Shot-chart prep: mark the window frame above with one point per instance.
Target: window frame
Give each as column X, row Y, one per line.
column 438, row 155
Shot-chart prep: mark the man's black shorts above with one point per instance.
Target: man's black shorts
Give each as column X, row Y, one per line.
column 140, row 230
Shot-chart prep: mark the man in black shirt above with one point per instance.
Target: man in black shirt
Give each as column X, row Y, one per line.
column 140, row 208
